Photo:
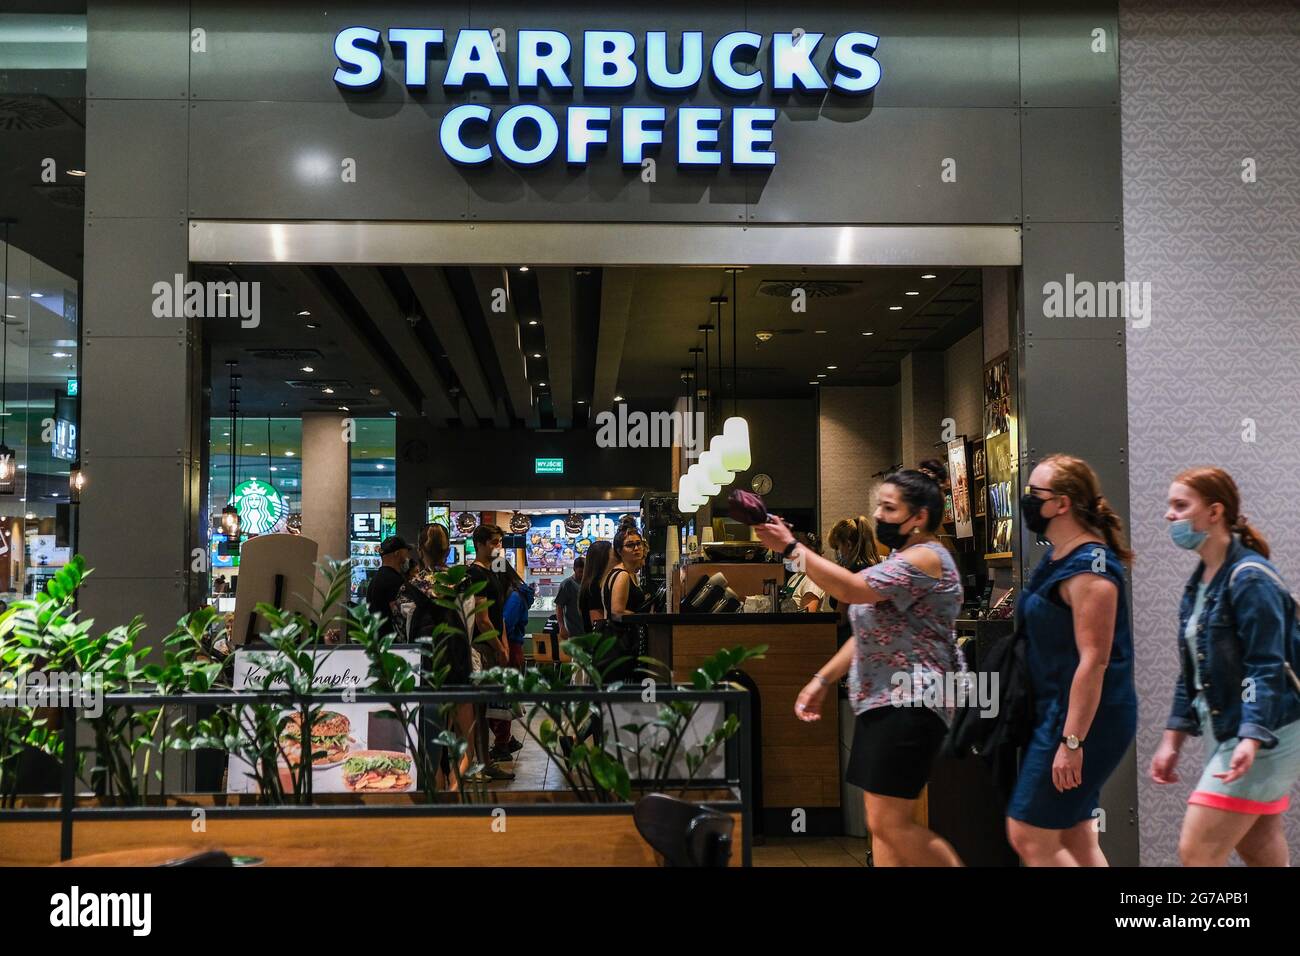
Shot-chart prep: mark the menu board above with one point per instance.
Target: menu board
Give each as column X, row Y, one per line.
column 362, row 751
column 551, row 548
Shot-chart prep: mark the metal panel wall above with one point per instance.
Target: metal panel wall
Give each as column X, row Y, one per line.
column 1072, row 367
column 140, row 506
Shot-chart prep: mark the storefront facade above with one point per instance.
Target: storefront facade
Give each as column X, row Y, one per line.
column 219, row 132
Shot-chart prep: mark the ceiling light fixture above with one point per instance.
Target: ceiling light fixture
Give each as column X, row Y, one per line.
column 532, row 321
column 523, row 268
column 929, row 275
column 308, row 368
column 618, row 398
column 313, row 325
column 911, row 293
column 304, row 312
column 868, row 333
column 41, row 295
column 895, row 308
column 76, row 172
column 832, row 367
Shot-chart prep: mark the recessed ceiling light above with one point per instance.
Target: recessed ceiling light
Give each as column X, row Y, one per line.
column 327, row 390
column 273, row 468
column 582, row 401
column 379, row 467
column 304, row 312
column 288, row 454
column 821, row 374
column 820, row 332
column 868, row 333
column 60, row 354
column 537, row 355
column 225, row 434
column 541, row 384
column 313, row 325
column 911, row 293
column 832, row 367
column 895, row 308
column 618, row 398
column 929, row 275
column 814, row 383
column 532, row 321
column 308, row 368
column 76, row 172
column 248, row 444
column 344, row 408
column 263, row 454
column 12, row 296
column 523, row 268
column 38, row 295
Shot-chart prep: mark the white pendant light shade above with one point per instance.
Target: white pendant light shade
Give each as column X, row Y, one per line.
column 689, row 498
column 702, row 482
column 735, row 432
column 712, row 463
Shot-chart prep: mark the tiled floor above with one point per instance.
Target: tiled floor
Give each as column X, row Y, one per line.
column 811, row 851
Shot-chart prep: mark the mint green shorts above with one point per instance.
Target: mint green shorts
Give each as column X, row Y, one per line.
column 1265, row 788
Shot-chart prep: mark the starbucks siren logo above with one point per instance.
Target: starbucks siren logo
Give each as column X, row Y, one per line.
column 259, row 505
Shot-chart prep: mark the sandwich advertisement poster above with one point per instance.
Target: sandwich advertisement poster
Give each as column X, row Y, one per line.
column 357, row 749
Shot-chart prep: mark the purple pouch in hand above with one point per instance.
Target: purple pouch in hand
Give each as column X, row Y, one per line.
column 746, row 507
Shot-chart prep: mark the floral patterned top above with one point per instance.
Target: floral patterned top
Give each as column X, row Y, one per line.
column 905, row 645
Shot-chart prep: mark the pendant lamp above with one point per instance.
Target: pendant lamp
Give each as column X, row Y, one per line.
column 713, row 467
column 702, row 483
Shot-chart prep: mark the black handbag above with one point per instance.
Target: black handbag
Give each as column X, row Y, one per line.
column 1007, row 669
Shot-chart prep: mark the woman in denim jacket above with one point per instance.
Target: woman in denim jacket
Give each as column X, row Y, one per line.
column 1237, row 645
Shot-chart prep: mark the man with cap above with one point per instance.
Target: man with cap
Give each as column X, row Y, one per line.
column 395, row 555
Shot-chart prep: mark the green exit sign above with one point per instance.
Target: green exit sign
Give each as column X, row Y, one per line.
column 548, row 466
column 72, row 387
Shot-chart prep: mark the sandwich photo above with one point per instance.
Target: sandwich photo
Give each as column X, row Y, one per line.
column 329, row 737
column 377, row 770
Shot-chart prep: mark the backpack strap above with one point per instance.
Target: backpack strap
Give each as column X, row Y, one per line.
column 1295, row 608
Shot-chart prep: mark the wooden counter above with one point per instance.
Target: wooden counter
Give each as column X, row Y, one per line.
column 800, row 760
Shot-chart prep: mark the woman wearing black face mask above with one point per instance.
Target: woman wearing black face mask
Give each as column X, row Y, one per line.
column 902, row 615
column 1080, row 654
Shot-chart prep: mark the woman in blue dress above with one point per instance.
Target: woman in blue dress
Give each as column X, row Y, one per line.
column 1075, row 615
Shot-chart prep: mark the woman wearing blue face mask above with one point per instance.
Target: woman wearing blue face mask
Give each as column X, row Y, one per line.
column 1238, row 647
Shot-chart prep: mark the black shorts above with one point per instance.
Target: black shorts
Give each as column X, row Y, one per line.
column 894, row 749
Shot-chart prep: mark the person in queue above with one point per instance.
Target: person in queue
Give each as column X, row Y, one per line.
column 802, row 589
column 489, row 615
column 1074, row 612
column 599, row 556
column 419, row 617
column 568, row 613
column 381, row 592
column 1236, row 630
column 620, row 593
column 903, row 613
column 854, row 545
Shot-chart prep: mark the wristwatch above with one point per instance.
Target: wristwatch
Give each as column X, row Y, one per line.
column 789, row 549
column 1071, row 742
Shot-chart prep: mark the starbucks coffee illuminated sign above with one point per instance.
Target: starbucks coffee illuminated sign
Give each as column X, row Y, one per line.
column 528, row 134
column 259, row 505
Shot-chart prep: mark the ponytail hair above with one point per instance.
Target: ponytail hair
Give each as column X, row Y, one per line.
column 855, row 540
column 1074, row 478
column 1215, row 486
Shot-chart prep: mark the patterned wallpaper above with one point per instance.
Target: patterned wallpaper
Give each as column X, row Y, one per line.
column 1210, row 91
